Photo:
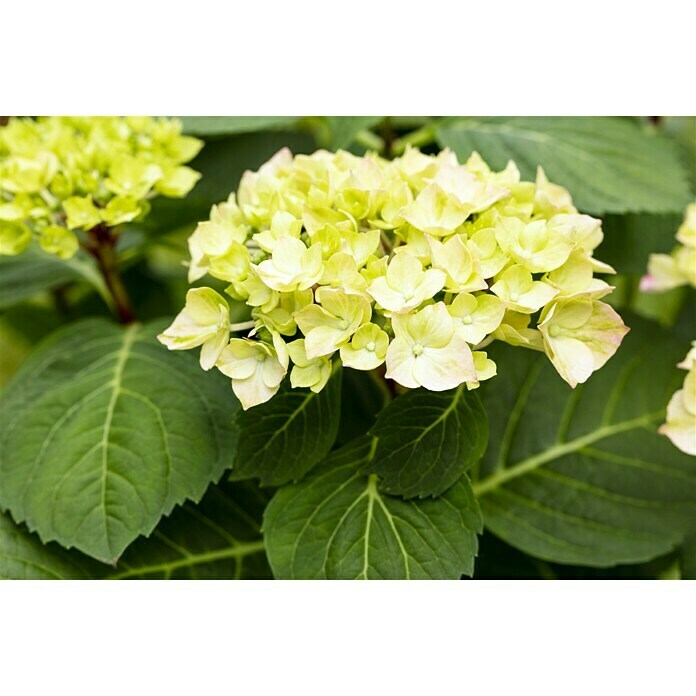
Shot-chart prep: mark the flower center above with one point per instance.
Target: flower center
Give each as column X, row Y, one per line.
column 467, row 320
column 260, row 357
column 417, row 349
column 371, row 346
column 554, row 330
column 514, row 296
column 343, row 325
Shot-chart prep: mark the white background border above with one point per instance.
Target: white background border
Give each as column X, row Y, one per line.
column 347, row 638
column 481, row 638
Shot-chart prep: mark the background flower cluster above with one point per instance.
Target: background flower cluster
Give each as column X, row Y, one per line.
column 59, row 175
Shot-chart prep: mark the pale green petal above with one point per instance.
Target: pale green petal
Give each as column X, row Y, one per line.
column 385, row 296
column 439, row 369
column 432, row 326
column 253, row 390
column 400, row 363
column 574, row 329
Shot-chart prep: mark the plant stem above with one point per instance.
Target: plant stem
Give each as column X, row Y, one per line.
column 103, row 248
column 388, row 136
column 418, row 138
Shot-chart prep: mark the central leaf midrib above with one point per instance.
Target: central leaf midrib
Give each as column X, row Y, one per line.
column 123, row 354
column 239, row 551
column 493, row 482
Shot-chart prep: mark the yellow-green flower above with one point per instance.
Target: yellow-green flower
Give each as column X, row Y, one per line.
column 406, row 285
column 327, row 327
column 59, row 241
column 534, row 245
column 292, row 266
column 580, row 335
column 204, row 321
column 15, row 237
column 478, row 315
column 456, row 260
column 308, row 372
column 520, row 292
column 255, row 368
column 427, row 351
column 367, row 349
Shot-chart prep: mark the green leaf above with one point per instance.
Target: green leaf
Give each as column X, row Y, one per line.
column 337, row 525
column 427, row 440
column 104, row 431
column 233, row 125
column 582, row 477
column 24, row 557
column 610, row 165
column 35, row 271
column 687, row 559
column 630, row 239
column 281, row 440
column 343, row 129
column 219, row 538
column 363, row 394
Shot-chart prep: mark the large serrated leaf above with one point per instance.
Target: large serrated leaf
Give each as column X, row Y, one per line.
column 104, row 432
column 281, row 440
column 219, row 538
column 337, row 525
column 610, row 165
column 233, row 125
column 582, row 477
column 24, row 557
column 427, row 440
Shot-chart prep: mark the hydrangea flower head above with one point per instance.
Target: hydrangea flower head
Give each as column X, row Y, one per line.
column 411, row 265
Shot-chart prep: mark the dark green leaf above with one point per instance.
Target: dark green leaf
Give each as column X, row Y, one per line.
column 610, row 165
column 24, row 557
column 427, row 440
column 219, row 538
column 281, row 440
column 34, row 271
column 630, row 239
column 337, row 525
column 582, row 476
column 104, row 431
column 687, row 559
column 362, row 397
column 232, row 125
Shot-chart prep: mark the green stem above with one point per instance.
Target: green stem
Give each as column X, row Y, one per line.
column 417, row 138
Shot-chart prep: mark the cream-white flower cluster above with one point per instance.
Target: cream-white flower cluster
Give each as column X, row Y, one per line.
column 680, row 426
column 665, row 272
column 416, row 263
